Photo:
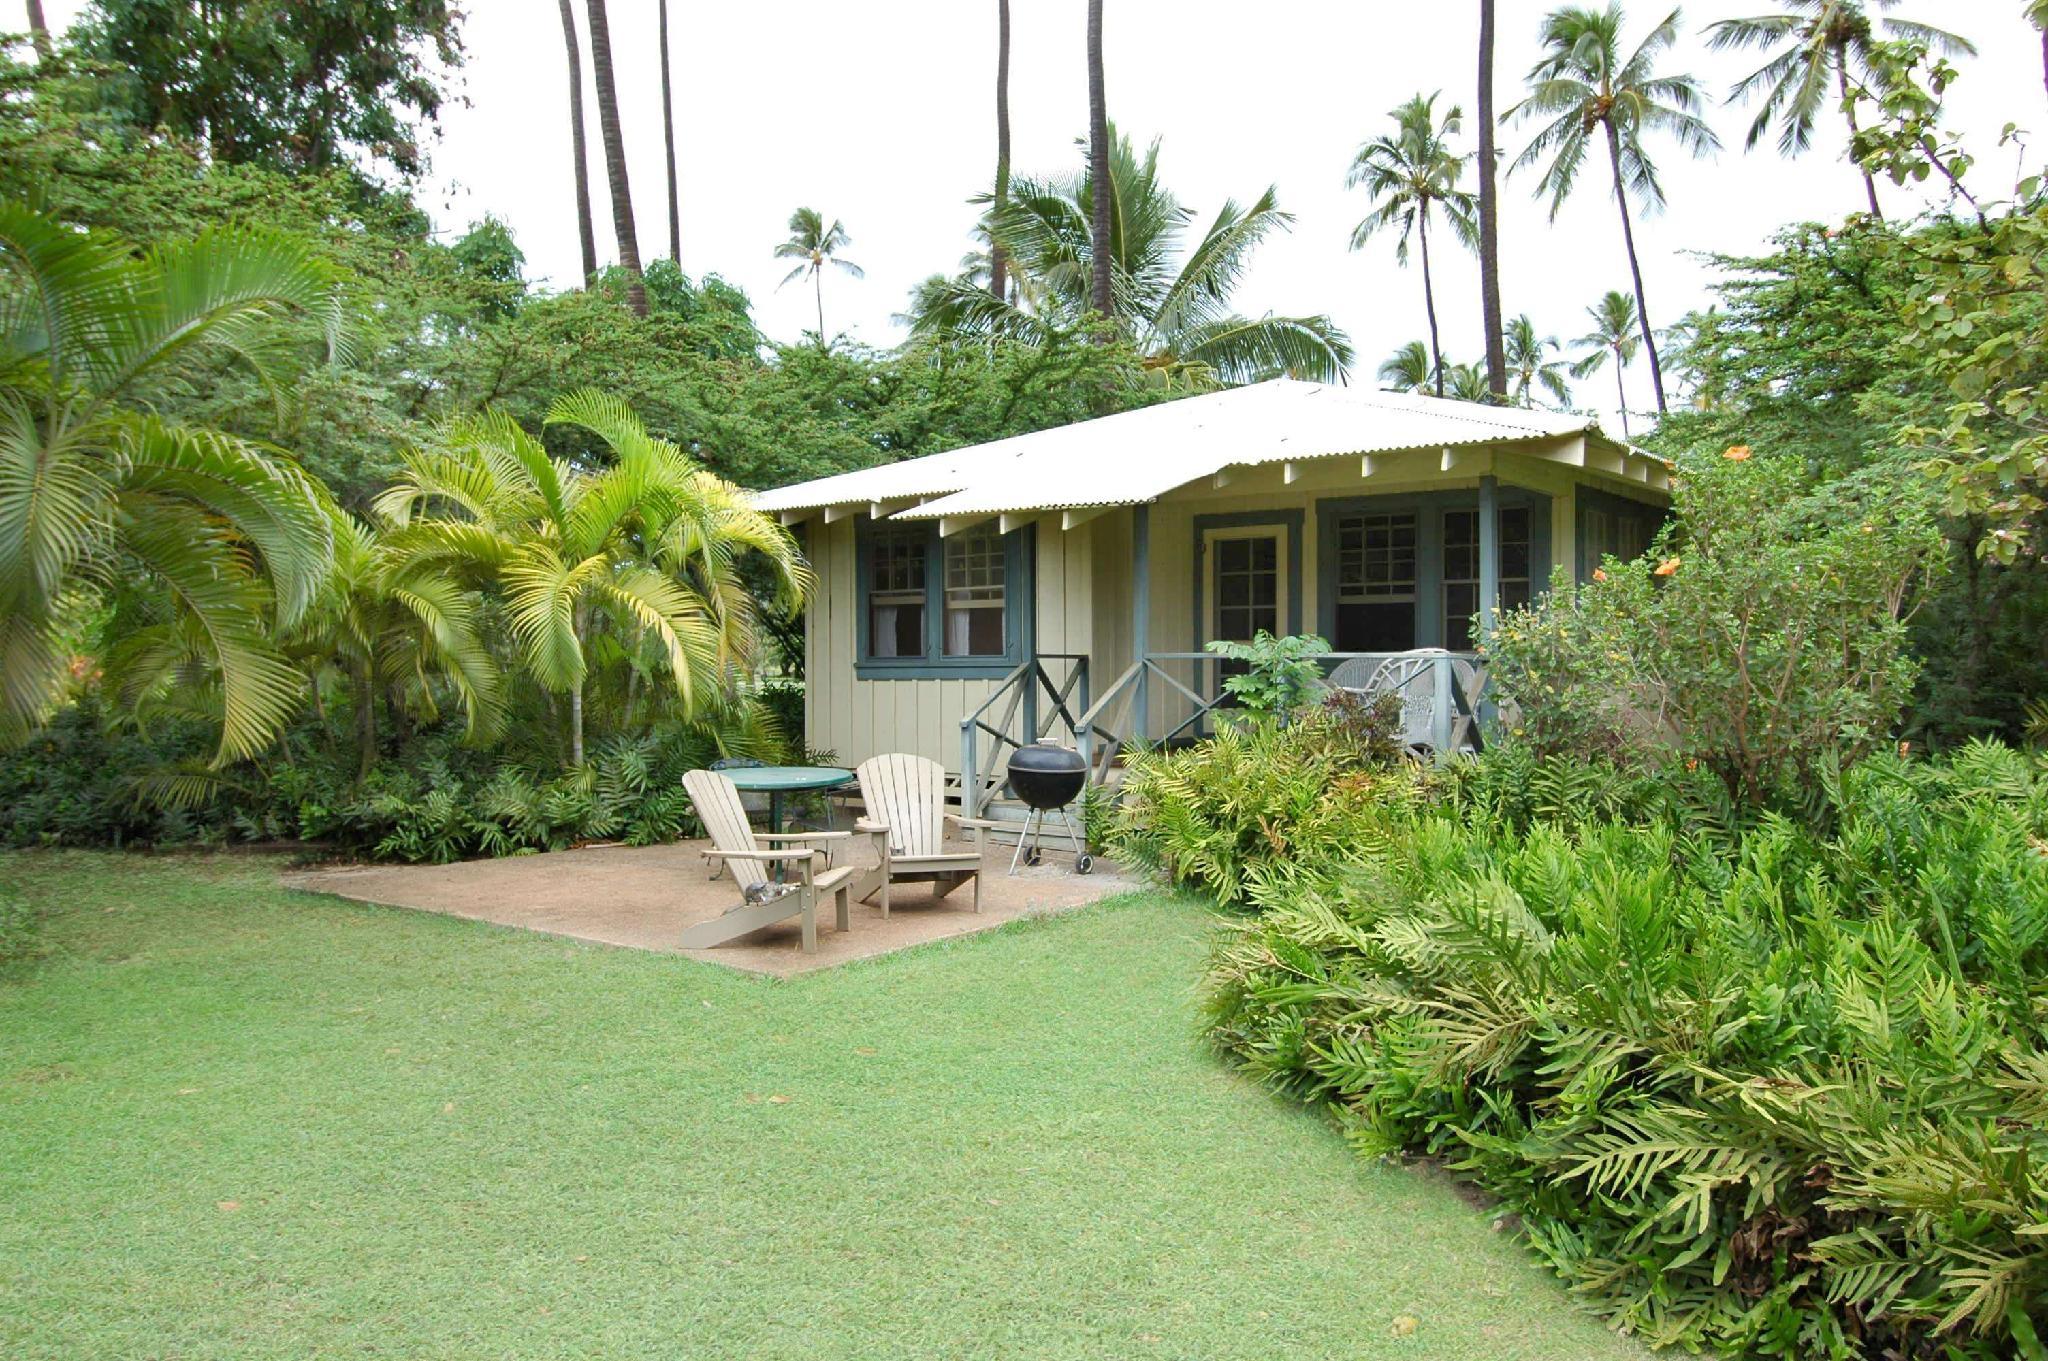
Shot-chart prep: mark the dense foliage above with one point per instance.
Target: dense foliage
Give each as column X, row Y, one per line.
column 1776, row 1095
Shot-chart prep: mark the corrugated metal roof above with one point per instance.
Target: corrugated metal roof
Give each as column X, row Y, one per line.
column 1138, row 456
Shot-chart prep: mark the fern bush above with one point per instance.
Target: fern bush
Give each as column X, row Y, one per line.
column 1267, row 806
column 1776, row 1094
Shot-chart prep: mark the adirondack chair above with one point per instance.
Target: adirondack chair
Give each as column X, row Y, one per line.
column 764, row 901
column 905, row 801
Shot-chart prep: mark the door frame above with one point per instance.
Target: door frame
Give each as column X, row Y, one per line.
column 1288, row 523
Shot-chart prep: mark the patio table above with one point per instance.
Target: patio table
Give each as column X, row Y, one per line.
column 776, row 781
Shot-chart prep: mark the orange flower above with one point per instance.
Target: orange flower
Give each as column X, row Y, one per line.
column 1599, row 574
column 1736, row 453
column 1667, row 567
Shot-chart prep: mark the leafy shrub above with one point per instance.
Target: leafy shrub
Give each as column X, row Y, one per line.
column 1780, row 1096
column 1761, row 640
column 1279, row 675
column 1263, row 806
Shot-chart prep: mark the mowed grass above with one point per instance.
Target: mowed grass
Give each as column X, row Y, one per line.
column 241, row 1122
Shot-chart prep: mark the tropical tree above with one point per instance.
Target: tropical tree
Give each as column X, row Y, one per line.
column 816, row 245
column 1407, row 369
column 2037, row 15
column 1530, row 363
column 1585, row 86
column 648, row 549
column 1411, row 175
column 1101, row 288
column 1616, row 334
column 1489, row 213
column 1810, row 45
column 98, row 492
column 39, row 30
column 1468, row 383
column 1174, row 306
column 998, row 265
column 586, row 233
column 615, row 156
column 668, row 137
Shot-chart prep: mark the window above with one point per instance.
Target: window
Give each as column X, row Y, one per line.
column 1612, row 527
column 1461, row 569
column 932, row 606
column 1247, row 587
column 1376, row 582
column 896, row 593
column 975, row 571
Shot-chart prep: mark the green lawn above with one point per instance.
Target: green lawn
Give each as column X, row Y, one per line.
column 240, row 1122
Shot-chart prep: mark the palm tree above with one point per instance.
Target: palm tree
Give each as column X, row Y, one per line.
column 817, row 245
column 1468, row 383
column 647, row 549
column 1411, row 175
column 97, row 492
column 998, row 266
column 1813, row 41
column 668, row 135
column 1583, row 84
column 2037, row 15
column 615, row 157
column 1407, row 369
column 1615, row 335
column 1175, row 308
column 39, row 30
column 1528, row 359
column 585, row 231
column 1101, row 293
column 1489, row 213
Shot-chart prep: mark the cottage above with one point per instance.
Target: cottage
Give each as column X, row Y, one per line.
column 1066, row 582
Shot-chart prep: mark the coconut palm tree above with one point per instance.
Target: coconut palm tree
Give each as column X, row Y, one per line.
column 1174, row 305
column 615, row 156
column 1585, row 86
column 97, row 492
column 1407, row 369
column 1489, row 213
column 648, row 548
column 39, row 30
column 586, row 233
column 998, row 265
column 1616, row 334
column 1102, row 291
column 1468, row 383
column 816, row 245
column 668, row 137
column 1810, row 45
column 1411, row 176
column 1530, row 363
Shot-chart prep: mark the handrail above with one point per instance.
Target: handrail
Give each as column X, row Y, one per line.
column 1018, row 691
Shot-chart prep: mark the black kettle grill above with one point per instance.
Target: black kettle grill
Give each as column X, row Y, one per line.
column 1047, row 778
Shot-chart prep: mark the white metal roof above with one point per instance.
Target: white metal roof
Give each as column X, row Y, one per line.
column 1138, row 456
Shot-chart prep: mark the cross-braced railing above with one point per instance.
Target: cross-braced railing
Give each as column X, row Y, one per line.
column 1029, row 704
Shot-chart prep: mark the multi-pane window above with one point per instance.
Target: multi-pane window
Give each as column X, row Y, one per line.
column 1376, row 582
column 896, row 593
column 1461, row 569
column 1247, row 587
column 1614, row 532
column 974, row 595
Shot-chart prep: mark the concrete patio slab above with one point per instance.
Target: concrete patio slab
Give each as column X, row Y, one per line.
column 643, row 897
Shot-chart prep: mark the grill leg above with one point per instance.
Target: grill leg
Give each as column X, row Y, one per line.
column 1031, row 820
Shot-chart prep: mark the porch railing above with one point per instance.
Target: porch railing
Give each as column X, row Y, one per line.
column 1171, row 696
column 1042, row 696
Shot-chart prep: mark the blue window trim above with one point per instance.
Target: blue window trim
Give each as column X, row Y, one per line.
column 1593, row 498
column 1429, row 508
column 1290, row 520
column 1019, row 594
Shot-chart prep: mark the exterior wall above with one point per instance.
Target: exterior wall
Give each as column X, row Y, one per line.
column 856, row 719
column 1083, row 583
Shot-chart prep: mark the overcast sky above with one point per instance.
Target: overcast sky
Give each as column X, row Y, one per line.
column 881, row 114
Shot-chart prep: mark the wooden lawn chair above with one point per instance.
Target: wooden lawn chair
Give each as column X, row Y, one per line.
column 764, row 901
column 905, row 801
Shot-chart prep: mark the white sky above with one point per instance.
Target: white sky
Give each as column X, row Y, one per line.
column 882, row 115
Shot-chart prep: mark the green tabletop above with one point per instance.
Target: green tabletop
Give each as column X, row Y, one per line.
column 779, row 779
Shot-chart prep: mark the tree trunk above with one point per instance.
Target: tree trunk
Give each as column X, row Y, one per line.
column 576, row 725
column 1849, row 113
column 585, row 231
column 1100, row 294
column 1436, row 354
column 818, row 287
column 366, row 724
column 615, row 157
column 39, row 30
column 1635, row 270
column 998, row 260
column 1489, row 216
column 1620, row 394
column 668, row 132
